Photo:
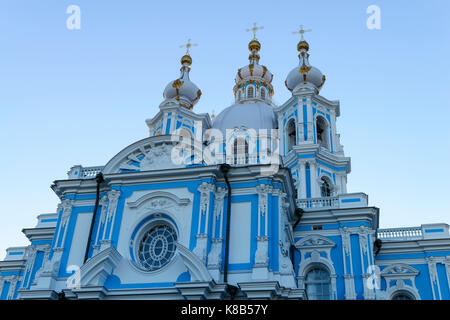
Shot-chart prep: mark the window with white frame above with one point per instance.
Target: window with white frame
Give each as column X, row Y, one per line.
column 250, row 92
column 325, row 187
column 157, row 247
column 263, row 93
column 318, row 283
column 240, row 150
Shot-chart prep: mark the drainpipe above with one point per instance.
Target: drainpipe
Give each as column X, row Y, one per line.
column 377, row 245
column 230, row 289
column 299, row 213
column 225, row 168
column 99, row 179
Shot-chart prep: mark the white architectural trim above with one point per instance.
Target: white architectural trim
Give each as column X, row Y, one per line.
column 158, row 194
column 96, row 269
column 195, row 266
column 314, row 245
column 400, row 272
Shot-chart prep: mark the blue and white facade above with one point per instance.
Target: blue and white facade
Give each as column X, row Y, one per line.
column 165, row 208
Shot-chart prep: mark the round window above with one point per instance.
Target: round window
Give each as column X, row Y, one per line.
column 157, row 247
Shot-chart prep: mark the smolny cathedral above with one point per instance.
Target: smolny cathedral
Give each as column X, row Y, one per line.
column 265, row 215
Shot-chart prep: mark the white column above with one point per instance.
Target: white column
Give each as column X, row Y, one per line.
column 341, row 182
column 301, row 194
column 350, row 293
column 333, row 131
column 300, row 120
column 314, row 185
column 434, row 279
column 110, row 218
column 310, row 121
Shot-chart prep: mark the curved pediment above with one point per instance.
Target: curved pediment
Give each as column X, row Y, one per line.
column 196, row 268
column 96, row 269
column 315, row 241
column 399, row 269
column 158, row 199
column 153, row 153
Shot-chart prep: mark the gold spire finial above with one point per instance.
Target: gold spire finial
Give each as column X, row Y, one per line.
column 301, row 31
column 254, row 29
column 188, row 45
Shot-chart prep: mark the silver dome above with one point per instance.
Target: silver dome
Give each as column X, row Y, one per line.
column 250, row 115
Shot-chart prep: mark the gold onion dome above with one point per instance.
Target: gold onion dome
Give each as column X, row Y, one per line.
column 302, row 45
column 254, row 45
column 186, row 59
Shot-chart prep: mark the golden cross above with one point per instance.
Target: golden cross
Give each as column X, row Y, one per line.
column 302, row 31
column 254, row 29
column 188, row 45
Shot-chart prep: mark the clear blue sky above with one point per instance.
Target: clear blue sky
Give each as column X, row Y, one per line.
column 79, row 97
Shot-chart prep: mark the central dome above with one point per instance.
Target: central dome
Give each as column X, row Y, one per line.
column 249, row 115
column 253, row 81
column 253, row 92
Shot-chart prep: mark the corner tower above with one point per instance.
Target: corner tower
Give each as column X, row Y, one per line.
column 176, row 111
column 307, row 127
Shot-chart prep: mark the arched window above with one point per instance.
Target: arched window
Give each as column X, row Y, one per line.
column 402, row 295
column 322, row 132
column 263, row 93
column 250, row 93
column 318, row 284
column 240, row 150
column 291, row 134
column 325, row 187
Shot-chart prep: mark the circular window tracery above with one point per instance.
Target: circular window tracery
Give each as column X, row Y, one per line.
column 157, row 247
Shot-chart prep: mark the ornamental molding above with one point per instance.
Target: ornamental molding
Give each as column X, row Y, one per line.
column 153, row 153
column 263, row 190
column 109, row 204
column 315, row 242
column 432, row 268
column 158, row 200
column 66, row 205
column 219, row 201
column 399, row 270
column 205, row 190
column 399, row 286
column 314, row 260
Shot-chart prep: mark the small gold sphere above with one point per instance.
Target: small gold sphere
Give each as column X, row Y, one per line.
column 254, row 45
column 302, row 45
column 186, row 59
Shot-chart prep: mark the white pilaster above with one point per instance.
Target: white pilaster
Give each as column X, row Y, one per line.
column 302, row 186
column 310, row 121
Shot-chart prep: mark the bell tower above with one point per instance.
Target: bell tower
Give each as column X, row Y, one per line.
column 309, row 141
